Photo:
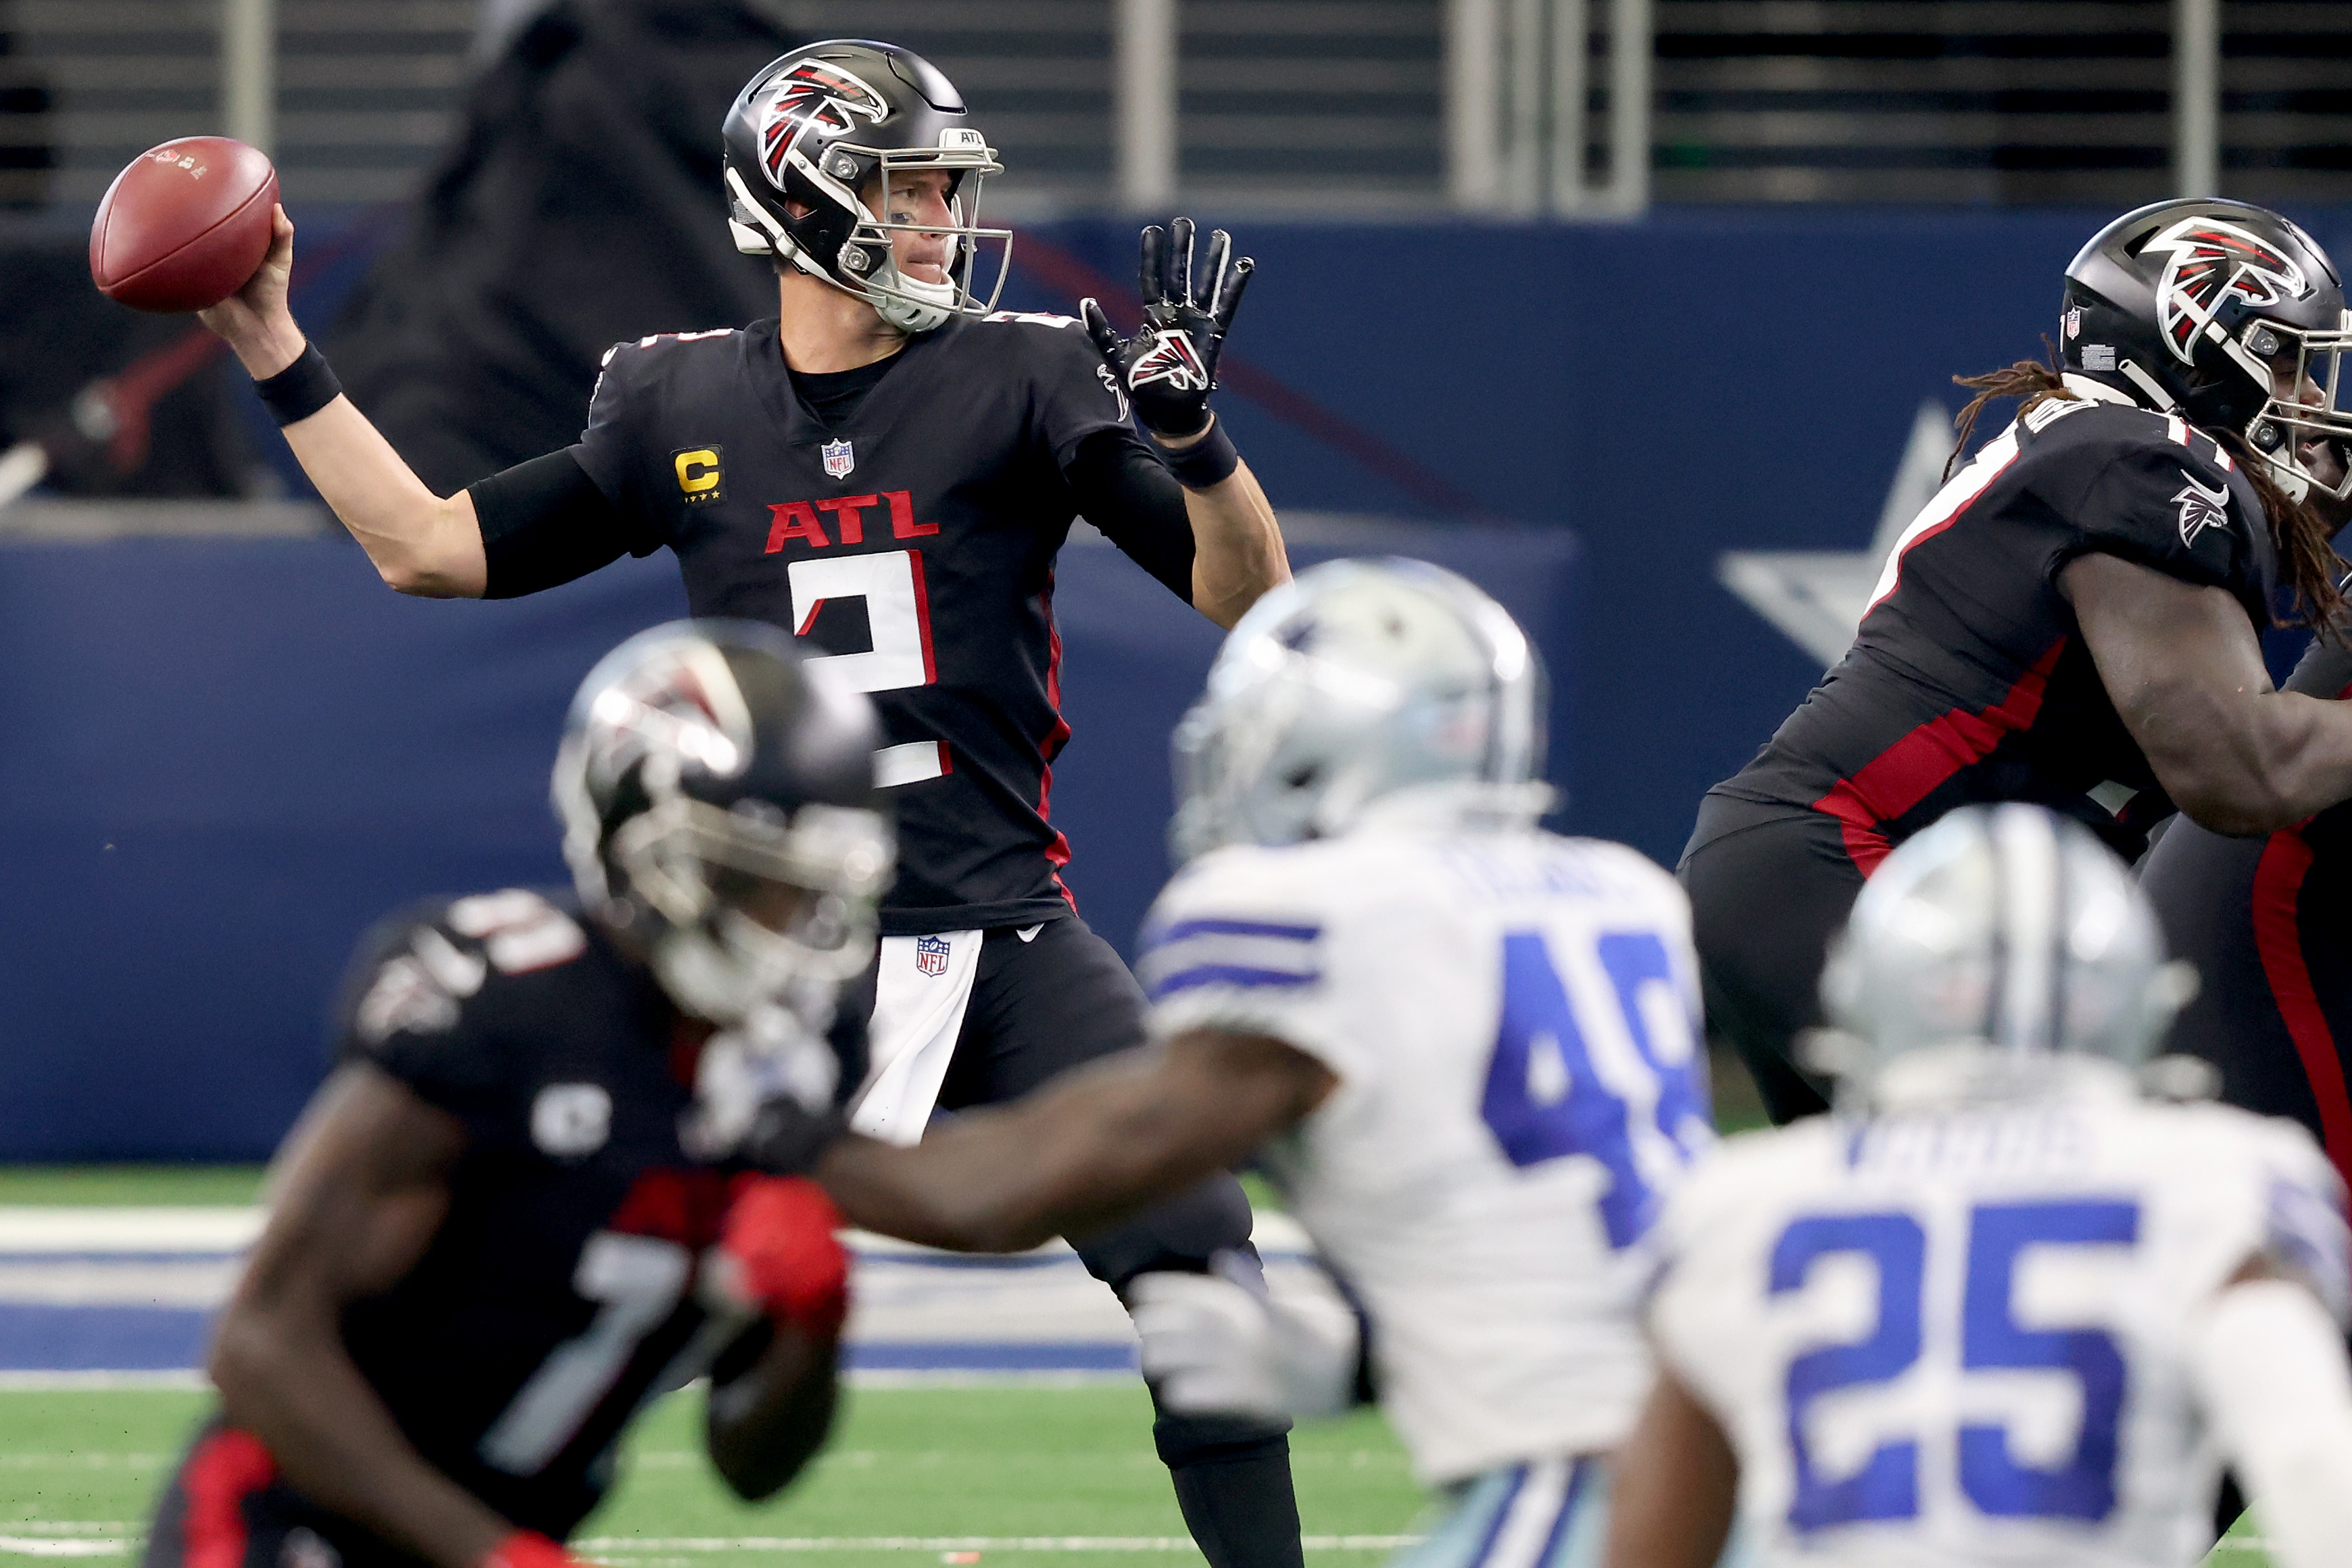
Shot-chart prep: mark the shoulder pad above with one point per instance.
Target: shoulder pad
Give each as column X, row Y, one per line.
column 653, row 340
column 426, row 973
column 1030, row 318
column 1235, row 912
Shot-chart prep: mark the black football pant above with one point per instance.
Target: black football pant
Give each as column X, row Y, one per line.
column 225, row 1506
column 1041, row 1008
column 2268, row 924
column 1768, row 887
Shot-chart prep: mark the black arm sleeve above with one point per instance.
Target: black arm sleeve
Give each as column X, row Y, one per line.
column 544, row 522
column 1125, row 489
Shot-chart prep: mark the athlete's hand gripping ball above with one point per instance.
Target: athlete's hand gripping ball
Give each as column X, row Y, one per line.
column 777, row 1252
column 1213, row 1346
column 1168, row 368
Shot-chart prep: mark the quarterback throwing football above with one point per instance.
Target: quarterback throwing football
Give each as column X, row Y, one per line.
column 886, row 471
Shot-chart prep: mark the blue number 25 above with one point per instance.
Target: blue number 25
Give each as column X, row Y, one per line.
column 1888, row 1485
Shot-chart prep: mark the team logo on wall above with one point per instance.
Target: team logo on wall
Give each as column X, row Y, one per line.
column 2209, row 263
column 838, row 460
column 813, row 96
column 1171, row 359
column 931, row 955
column 2201, row 509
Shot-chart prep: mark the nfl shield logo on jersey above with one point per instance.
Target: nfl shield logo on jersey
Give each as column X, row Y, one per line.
column 838, row 460
column 931, row 954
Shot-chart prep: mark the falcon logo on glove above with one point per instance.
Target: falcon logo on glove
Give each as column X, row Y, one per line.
column 1170, row 367
column 1171, row 359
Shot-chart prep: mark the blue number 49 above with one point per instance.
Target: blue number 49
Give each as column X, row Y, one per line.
column 1544, row 1099
column 1888, row 1485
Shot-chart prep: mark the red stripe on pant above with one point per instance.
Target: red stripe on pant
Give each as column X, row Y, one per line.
column 226, row 1467
column 1913, row 767
column 2278, row 887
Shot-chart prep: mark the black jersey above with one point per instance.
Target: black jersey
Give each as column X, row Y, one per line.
column 560, row 1290
column 1968, row 680
column 913, row 540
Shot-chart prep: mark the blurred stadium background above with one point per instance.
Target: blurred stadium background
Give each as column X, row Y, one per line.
column 1641, row 312
column 1663, row 401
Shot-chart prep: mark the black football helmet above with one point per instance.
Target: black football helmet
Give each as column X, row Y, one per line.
column 2224, row 313
column 813, row 128
column 719, row 806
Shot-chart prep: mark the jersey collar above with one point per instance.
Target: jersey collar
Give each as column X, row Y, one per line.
column 2092, row 390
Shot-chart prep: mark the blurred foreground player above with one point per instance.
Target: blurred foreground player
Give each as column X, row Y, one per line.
column 2000, row 1308
column 1465, row 1046
column 521, row 1206
column 887, row 472
column 2268, row 923
column 2073, row 620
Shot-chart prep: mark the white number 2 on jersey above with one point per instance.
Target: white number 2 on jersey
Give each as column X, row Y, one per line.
column 899, row 610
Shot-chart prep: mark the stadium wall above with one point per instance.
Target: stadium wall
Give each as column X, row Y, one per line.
column 227, row 759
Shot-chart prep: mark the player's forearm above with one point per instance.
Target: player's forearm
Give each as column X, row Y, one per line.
column 1237, row 551
column 1673, row 1485
column 420, row 542
column 2248, row 762
column 1085, row 1154
column 763, row 1425
column 284, row 1378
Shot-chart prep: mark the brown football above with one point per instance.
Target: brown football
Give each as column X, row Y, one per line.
column 184, row 226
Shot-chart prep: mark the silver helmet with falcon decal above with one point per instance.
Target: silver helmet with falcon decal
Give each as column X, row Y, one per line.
column 810, row 146
column 719, row 808
column 2227, row 315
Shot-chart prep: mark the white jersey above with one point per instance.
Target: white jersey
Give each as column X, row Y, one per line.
column 1511, row 1018
column 1961, row 1336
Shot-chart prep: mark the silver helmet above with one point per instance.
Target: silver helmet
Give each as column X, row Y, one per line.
column 1997, row 940
column 717, row 800
column 1354, row 681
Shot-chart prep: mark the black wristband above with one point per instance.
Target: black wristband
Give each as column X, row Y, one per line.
column 1210, row 460
column 301, row 389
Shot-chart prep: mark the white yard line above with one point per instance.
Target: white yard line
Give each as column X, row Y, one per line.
column 97, row 1228
column 35, row 1546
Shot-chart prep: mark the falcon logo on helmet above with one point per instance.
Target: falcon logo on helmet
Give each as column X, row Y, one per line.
column 1173, row 360
column 2208, row 262
column 813, row 96
column 814, row 146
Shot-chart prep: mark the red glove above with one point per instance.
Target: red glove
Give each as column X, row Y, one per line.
column 779, row 1234
column 529, row 1549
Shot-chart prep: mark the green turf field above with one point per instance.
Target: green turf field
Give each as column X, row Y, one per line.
column 1022, row 1475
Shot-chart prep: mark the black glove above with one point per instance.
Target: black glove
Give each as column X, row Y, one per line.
column 786, row 1139
column 1168, row 369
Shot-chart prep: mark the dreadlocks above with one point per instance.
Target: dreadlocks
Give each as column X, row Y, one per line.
column 2308, row 562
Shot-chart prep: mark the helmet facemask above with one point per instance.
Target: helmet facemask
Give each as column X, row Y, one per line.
column 841, row 240
column 2310, row 364
column 747, row 903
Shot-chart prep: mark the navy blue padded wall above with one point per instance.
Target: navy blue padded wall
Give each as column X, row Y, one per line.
column 224, row 760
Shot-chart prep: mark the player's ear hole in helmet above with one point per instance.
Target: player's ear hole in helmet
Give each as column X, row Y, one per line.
column 1987, row 956
column 1356, row 681
column 719, row 814
column 2231, row 317
column 811, row 147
